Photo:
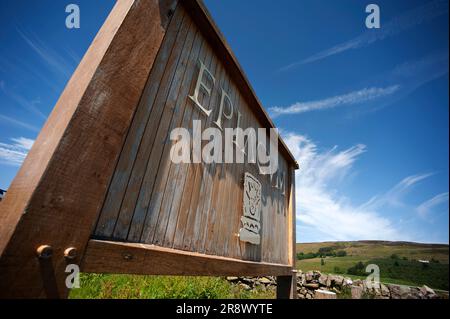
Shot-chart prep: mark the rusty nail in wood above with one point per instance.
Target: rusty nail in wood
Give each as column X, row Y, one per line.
column 70, row 253
column 44, row 251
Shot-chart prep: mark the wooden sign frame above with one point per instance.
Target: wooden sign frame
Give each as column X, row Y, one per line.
column 50, row 211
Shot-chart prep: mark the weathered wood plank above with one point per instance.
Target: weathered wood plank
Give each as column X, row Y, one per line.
column 196, row 180
column 218, row 182
column 113, row 202
column 292, row 218
column 219, row 44
column 57, row 194
column 164, row 182
column 140, row 259
column 209, row 170
column 177, row 174
column 186, row 171
column 184, row 215
column 192, row 207
column 142, row 180
column 228, row 206
column 154, row 180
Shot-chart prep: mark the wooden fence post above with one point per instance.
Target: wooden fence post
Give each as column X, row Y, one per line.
column 287, row 285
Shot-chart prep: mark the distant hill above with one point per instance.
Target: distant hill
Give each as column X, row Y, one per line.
column 399, row 262
column 377, row 249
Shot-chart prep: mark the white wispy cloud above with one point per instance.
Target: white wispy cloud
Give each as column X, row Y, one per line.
column 427, row 207
column 14, row 153
column 396, row 83
column 57, row 63
column 352, row 98
column 29, row 70
column 394, row 196
column 30, row 105
column 322, row 213
column 9, row 120
column 397, row 25
column 416, row 73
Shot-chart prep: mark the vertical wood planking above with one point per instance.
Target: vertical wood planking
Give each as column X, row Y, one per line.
column 225, row 206
column 208, row 233
column 186, row 169
column 231, row 230
column 193, row 207
column 203, row 169
column 165, row 181
column 136, row 200
column 219, row 179
column 111, row 207
column 177, row 174
column 246, row 122
column 56, row 197
column 169, row 121
column 292, row 219
column 236, row 199
column 194, row 214
column 208, row 172
column 187, row 218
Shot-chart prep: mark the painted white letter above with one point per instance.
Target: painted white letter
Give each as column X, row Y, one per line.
column 202, row 85
column 225, row 97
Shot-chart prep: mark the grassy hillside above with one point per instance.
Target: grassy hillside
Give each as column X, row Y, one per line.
column 398, row 261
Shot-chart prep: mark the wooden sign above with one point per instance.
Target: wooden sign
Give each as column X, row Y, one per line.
column 105, row 187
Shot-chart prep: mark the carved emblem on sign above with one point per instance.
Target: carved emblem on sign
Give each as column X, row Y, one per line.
column 250, row 231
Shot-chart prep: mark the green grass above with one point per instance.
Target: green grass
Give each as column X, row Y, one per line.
column 408, row 271
column 96, row 286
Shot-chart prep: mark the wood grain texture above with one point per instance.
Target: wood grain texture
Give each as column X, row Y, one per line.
column 57, row 194
column 133, row 144
column 215, row 38
column 193, row 207
column 140, row 259
column 100, row 168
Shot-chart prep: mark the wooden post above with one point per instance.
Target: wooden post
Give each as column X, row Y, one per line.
column 56, row 196
column 287, row 285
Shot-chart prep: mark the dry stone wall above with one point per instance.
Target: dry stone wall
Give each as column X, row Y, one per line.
column 315, row 285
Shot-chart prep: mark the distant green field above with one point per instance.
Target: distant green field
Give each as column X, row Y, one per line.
column 404, row 269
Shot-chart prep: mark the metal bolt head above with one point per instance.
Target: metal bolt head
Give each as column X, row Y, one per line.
column 44, row 251
column 70, row 253
column 127, row 256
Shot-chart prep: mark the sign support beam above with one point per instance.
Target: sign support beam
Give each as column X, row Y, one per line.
column 57, row 194
column 48, row 217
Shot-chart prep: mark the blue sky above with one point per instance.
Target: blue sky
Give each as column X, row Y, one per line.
column 364, row 111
